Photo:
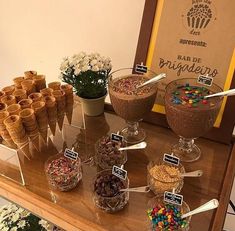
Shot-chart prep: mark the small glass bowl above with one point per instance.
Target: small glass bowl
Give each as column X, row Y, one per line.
column 162, row 180
column 62, row 173
column 159, row 201
column 114, row 203
column 107, row 153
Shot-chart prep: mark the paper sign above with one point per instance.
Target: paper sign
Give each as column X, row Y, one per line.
column 171, row 159
column 141, row 68
column 116, row 137
column 70, row 154
column 119, row 172
column 205, row 80
column 172, row 198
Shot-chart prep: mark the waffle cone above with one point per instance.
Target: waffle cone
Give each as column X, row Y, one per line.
column 36, row 96
column 29, row 86
column 46, row 92
column 60, row 121
column 36, row 142
column 69, row 113
column 29, row 74
column 44, row 134
column 25, row 103
column 54, row 85
column 17, row 82
column 52, row 125
column 8, row 99
column 40, row 82
column 20, row 94
column 14, row 109
column 8, row 90
column 26, row 150
column 2, row 94
column 3, row 106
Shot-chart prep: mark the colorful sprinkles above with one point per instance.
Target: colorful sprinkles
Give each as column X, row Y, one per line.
column 166, row 217
column 190, row 96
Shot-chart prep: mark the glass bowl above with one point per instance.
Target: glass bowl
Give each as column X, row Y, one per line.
column 162, row 177
column 161, row 215
column 62, row 173
column 107, row 153
column 106, row 191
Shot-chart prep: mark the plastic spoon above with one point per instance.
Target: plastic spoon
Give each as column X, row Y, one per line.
column 153, row 80
column 142, row 189
column 135, row 146
column 212, row 204
column 196, row 173
column 224, row 93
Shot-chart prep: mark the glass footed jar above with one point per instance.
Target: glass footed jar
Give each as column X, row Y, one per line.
column 162, row 177
column 168, row 218
column 130, row 102
column 106, row 194
column 107, row 153
column 63, row 173
column 189, row 115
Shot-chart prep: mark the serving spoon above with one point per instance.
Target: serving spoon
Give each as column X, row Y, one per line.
column 212, row 204
column 153, row 80
column 142, row 189
column 224, row 93
column 141, row 145
column 196, row 173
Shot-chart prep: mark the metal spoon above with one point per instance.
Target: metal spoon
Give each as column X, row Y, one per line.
column 212, row 204
column 224, row 93
column 142, row 189
column 153, row 80
column 135, row 146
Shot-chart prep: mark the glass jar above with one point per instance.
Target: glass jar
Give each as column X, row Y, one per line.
column 163, row 216
column 107, row 153
column 162, row 177
column 106, row 191
column 63, row 173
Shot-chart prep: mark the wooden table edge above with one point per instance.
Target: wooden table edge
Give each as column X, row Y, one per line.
column 44, row 208
column 220, row 214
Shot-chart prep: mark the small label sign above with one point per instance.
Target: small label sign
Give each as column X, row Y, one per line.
column 70, row 154
column 205, row 80
column 172, row 198
column 119, row 172
column 116, row 137
column 171, row 159
column 139, row 68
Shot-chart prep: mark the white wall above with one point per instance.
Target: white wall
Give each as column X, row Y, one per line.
column 37, row 34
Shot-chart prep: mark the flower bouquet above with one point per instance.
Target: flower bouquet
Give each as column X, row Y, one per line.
column 88, row 74
column 14, row 218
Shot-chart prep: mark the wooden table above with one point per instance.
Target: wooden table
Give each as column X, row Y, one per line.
column 75, row 211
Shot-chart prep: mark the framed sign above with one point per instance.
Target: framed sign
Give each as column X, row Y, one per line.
column 191, row 38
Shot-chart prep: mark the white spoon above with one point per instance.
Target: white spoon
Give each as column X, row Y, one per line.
column 196, row 173
column 135, row 146
column 224, row 93
column 212, row 204
column 142, row 189
column 153, row 80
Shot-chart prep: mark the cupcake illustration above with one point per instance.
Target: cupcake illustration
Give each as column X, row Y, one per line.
column 199, row 16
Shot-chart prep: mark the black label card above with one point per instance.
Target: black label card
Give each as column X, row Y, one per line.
column 139, row 68
column 172, row 198
column 171, row 159
column 70, row 154
column 119, row 172
column 205, row 80
column 116, row 137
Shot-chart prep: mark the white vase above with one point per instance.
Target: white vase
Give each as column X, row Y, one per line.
column 93, row 107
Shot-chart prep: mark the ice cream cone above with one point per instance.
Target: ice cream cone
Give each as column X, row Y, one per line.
column 36, row 96
column 68, row 90
column 18, row 81
column 40, row 82
column 69, row 113
column 60, row 121
column 29, row 74
column 51, row 106
column 25, row 103
column 26, row 150
column 2, row 94
column 20, row 94
column 14, row 109
column 44, row 134
column 8, row 90
column 9, row 99
column 46, row 92
column 54, row 85
column 41, row 117
column 36, row 142
column 29, row 86
column 3, row 106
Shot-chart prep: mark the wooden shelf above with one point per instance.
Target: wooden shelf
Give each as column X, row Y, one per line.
column 75, row 211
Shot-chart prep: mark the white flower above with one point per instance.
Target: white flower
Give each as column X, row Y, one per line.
column 93, row 62
column 85, row 68
column 77, row 70
column 15, row 217
column 13, row 229
column 24, row 214
column 64, row 65
column 5, row 229
column 46, row 225
column 21, row 224
column 95, row 68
